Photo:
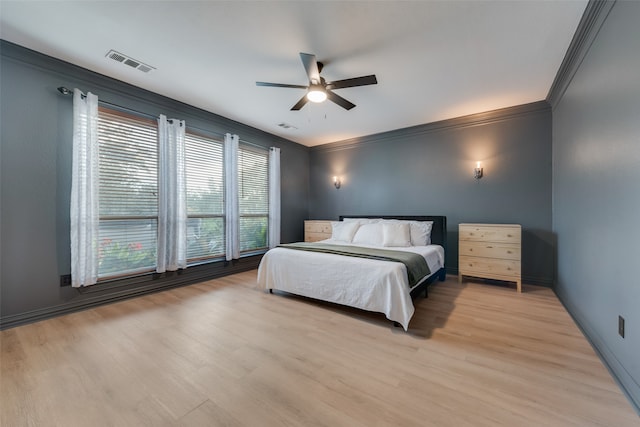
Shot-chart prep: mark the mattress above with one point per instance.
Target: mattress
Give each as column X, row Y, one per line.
column 373, row 285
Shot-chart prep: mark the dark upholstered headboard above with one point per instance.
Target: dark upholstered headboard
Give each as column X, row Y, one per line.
column 438, row 231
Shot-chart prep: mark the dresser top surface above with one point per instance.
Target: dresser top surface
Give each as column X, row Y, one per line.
column 467, row 224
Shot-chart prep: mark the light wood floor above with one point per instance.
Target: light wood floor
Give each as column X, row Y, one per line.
column 224, row 353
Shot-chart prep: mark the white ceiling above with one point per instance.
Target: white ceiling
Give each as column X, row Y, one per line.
column 434, row 60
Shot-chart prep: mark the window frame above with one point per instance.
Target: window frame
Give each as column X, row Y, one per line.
column 216, row 257
column 147, row 122
column 262, row 151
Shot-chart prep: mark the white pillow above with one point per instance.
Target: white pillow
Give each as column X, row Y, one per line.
column 343, row 231
column 420, row 230
column 396, row 234
column 362, row 221
column 369, row 234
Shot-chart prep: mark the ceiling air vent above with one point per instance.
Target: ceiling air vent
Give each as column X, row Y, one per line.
column 133, row 63
column 284, row 125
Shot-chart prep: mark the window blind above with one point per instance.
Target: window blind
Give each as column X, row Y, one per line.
column 128, row 193
column 205, row 197
column 253, row 189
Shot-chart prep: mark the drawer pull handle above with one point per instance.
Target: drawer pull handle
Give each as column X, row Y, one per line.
column 489, row 247
column 508, row 252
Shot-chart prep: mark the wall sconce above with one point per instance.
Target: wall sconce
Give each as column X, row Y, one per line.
column 477, row 172
column 336, row 182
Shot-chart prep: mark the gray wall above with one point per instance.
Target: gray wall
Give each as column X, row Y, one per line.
column 428, row 170
column 36, row 124
column 596, row 192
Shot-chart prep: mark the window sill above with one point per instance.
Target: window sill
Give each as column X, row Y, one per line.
column 194, row 273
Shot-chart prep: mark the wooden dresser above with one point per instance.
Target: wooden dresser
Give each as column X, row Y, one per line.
column 315, row 230
column 491, row 251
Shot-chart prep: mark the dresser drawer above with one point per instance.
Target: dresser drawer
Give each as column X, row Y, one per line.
column 315, row 237
column 487, row 267
column 509, row 251
column 315, row 230
column 317, row 227
column 505, row 234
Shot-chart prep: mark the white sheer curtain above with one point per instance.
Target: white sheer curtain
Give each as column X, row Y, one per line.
column 172, row 203
column 274, row 197
column 84, row 190
column 232, row 210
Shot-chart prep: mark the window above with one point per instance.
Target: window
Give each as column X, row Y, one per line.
column 128, row 187
column 205, row 197
column 128, row 194
column 253, row 197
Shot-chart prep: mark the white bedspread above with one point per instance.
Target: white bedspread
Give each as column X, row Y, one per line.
column 373, row 285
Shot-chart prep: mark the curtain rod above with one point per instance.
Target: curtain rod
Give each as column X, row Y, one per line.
column 66, row 91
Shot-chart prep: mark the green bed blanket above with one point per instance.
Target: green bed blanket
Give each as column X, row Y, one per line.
column 417, row 267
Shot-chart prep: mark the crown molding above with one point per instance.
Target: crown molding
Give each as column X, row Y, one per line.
column 592, row 19
column 455, row 123
column 119, row 92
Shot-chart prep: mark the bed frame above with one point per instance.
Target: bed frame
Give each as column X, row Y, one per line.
column 438, row 237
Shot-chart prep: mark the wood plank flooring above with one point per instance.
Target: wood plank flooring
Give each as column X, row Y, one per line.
column 223, row 353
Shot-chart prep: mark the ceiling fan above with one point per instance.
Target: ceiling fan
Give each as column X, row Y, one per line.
column 319, row 89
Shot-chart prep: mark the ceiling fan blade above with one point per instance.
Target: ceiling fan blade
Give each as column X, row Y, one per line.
column 280, row 85
column 311, row 66
column 347, row 105
column 300, row 103
column 356, row 81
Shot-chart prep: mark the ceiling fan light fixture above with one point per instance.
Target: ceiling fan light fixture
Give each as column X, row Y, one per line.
column 319, row 89
column 316, row 93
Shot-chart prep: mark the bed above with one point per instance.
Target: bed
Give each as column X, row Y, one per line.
column 385, row 279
